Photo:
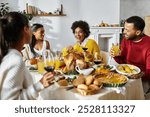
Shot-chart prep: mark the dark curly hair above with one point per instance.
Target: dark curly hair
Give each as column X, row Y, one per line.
column 83, row 25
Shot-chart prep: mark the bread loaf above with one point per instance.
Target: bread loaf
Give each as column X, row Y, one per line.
column 97, row 82
column 93, row 87
column 79, row 80
column 89, row 79
column 82, row 86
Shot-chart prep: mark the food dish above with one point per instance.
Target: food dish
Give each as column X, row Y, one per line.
column 64, row 86
column 127, row 69
column 112, row 79
column 33, row 69
column 64, row 82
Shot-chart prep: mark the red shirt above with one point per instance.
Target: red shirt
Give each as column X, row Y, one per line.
column 136, row 53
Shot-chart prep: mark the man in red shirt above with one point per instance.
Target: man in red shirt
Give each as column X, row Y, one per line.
column 135, row 48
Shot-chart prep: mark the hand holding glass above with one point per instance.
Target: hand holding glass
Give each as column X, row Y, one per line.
column 115, row 50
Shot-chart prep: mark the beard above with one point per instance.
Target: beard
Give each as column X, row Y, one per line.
column 133, row 37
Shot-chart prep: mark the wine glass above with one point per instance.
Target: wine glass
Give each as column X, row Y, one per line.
column 97, row 58
column 49, row 63
column 84, row 48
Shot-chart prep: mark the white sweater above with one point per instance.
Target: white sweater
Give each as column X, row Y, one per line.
column 27, row 53
column 15, row 79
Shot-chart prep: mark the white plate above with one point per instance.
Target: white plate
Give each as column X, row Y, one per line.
column 128, row 74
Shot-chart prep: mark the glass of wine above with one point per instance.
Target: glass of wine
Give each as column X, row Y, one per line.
column 49, row 63
column 97, row 58
column 84, row 48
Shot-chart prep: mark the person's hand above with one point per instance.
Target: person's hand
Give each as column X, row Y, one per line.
column 115, row 50
column 47, row 79
column 112, row 52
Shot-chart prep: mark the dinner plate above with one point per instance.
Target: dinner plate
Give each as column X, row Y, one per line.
column 127, row 69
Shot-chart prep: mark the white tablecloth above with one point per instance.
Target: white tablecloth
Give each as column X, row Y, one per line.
column 133, row 90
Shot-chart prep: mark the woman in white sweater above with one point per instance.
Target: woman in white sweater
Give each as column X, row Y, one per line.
column 15, row 79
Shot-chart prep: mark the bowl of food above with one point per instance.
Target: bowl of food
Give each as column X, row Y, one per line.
column 127, row 69
column 87, row 85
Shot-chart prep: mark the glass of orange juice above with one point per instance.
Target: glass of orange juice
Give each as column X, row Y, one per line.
column 40, row 65
column 58, row 60
column 116, row 49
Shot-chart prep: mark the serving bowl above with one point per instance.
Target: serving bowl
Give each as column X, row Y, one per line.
column 127, row 69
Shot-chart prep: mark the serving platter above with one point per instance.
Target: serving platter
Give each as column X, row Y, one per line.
column 127, row 69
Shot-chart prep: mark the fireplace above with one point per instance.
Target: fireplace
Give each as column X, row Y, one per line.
column 105, row 36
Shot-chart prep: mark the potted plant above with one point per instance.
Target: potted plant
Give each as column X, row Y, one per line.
column 3, row 9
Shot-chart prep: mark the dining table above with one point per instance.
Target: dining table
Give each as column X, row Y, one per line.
column 132, row 90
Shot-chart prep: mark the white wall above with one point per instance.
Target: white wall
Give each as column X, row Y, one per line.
column 94, row 11
column 58, row 30
column 134, row 7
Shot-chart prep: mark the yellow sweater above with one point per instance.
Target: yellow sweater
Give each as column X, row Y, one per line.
column 91, row 45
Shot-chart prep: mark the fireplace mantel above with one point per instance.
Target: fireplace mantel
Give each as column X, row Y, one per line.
column 105, row 36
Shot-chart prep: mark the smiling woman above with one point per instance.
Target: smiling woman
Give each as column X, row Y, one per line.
column 38, row 44
column 81, row 32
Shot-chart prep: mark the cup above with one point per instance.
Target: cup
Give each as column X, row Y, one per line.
column 40, row 65
column 116, row 49
column 58, row 60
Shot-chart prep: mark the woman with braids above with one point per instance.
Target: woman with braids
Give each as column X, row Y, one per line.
column 15, row 79
column 81, row 32
column 37, row 46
